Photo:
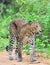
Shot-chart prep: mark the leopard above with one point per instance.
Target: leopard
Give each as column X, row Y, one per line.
column 22, row 33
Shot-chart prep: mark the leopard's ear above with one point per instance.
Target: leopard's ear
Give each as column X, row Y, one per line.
column 29, row 22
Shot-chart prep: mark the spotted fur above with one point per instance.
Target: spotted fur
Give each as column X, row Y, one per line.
column 23, row 33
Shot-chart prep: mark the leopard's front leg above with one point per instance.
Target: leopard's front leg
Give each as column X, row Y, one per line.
column 31, row 48
column 18, row 54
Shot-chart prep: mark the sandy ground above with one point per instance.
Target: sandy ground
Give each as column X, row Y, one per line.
column 26, row 60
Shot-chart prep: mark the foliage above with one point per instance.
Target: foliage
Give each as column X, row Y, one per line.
column 26, row 48
column 36, row 10
column 3, row 43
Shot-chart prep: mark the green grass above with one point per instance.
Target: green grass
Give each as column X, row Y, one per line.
column 43, row 50
column 3, row 43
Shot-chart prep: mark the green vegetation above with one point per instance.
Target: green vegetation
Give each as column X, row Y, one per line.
column 36, row 10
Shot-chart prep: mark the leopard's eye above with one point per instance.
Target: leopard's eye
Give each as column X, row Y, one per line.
column 36, row 26
column 27, row 35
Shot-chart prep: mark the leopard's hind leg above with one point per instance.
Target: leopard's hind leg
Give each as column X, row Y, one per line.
column 18, row 53
column 9, row 48
column 12, row 31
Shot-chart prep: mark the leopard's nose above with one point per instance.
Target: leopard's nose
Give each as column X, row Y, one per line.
column 41, row 30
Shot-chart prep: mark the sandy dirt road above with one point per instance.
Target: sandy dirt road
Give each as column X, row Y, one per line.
column 26, row 60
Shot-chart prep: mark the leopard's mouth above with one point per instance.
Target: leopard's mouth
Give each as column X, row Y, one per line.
column 37, row 33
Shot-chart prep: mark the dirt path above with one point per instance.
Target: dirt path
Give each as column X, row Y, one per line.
column 5, row 61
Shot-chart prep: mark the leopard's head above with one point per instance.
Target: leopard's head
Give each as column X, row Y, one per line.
column 35, row 26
